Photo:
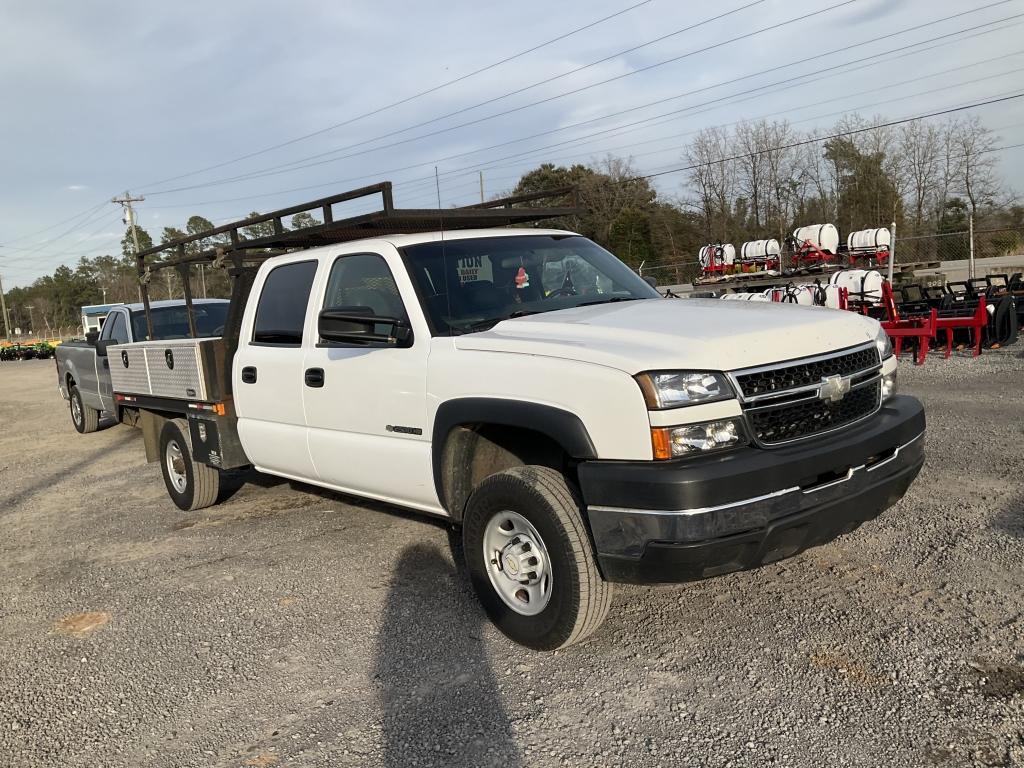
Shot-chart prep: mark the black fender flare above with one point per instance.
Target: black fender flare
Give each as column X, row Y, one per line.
column 562, row 426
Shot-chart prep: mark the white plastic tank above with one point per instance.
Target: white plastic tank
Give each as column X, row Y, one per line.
column 798, row 294
column 869, row 240
column 709, row 255
column 863, row 284
column 823, row 236
column 759, row 250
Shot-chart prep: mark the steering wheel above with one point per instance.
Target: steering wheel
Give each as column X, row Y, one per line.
column 562, row 292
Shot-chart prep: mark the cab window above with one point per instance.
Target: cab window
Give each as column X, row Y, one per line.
column 116, row 329
column 363, row 284
column 281, row 312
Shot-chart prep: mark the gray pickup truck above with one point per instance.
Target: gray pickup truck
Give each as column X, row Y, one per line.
column 83, row 373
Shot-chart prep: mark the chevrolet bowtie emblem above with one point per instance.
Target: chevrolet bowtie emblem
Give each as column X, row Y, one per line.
column 833, row 388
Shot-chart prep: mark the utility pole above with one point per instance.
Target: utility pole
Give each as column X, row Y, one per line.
column 3, row 308
column 970, row 271
column 481, row 186
column 129, row 220
column 129, row 215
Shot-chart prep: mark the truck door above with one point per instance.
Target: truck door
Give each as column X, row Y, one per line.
column 268, row 370
column 115, row 329
column 366, row 404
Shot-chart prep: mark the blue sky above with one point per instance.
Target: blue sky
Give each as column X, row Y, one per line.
column 102, row 97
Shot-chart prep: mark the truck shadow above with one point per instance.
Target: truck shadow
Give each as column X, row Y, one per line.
column 440, row 697
column 22, row 496
column 1011, row 518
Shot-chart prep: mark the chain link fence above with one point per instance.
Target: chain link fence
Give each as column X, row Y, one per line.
column 956, row 246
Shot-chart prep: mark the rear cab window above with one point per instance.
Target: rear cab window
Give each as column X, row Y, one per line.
column 281, row 311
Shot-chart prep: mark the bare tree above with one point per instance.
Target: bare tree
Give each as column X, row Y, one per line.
column 978, row 180
column 714, row 178
column 950, row 164
column 920, row 145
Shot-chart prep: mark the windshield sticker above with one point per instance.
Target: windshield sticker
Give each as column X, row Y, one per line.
column 473, row 268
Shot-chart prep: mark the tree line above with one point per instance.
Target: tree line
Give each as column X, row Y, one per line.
column 755, row 180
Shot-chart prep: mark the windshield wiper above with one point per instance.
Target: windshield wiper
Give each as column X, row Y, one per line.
column 612, row 300
column 484, row 325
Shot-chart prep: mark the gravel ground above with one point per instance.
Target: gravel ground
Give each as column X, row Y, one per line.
column 288, row 626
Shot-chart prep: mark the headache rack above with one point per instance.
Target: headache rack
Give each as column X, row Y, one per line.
column 241, row 255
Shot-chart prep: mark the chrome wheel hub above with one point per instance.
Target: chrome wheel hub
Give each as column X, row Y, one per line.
column 175, row 461
column 517, row 563
column 76, row 410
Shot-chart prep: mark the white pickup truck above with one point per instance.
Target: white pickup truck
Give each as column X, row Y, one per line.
column 528, row 386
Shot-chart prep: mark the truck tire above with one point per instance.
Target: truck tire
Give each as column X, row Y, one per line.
column 84, row 418
column 190, row 484
column 530, row 560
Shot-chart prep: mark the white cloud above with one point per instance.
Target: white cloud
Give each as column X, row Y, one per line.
column 76, row 187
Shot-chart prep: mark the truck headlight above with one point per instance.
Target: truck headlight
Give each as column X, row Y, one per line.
column 674, row 389
column 884, row 344
column 693, row 439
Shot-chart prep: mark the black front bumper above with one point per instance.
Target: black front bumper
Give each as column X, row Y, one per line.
column 693, row 519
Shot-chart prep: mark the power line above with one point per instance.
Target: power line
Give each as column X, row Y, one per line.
column 815, row 140
column 649, row 104
column 7, row 244
column 84, row 223
column 275, row 170
column 406, row 99
column 22, row 258
column 490, row 164
column 730, row 97
column 806, row 78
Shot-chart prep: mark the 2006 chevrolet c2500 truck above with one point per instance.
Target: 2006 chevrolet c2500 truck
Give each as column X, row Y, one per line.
column 528, row 386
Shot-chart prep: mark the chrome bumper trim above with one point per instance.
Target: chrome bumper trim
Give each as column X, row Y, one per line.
column 780, row 502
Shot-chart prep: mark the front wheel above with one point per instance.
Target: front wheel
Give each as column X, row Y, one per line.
column 190, row 484
column 530, row 559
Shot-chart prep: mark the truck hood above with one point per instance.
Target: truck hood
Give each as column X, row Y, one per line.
column 666, row 334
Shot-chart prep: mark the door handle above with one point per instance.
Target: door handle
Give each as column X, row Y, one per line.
column 314, row 377
column 249, row 375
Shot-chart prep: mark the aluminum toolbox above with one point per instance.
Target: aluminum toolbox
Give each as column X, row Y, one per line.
column 179, row 369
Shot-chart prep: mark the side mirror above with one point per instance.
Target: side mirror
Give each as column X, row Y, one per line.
column 101, row 346
column 92, row 337
column 650, row 281
column 358, row 325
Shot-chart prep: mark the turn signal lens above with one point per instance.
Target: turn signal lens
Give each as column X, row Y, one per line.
column 693, row 439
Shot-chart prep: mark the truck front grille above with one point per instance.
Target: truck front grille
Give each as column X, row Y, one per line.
column 781, row 423
column 778, row 380
column 785, row 402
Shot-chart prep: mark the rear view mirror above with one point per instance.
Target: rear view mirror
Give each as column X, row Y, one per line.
column 92, row 337
column 650, row 281
column 101, row 346
column 358, row 325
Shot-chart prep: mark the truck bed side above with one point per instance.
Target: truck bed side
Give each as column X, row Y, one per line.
column 78, row 364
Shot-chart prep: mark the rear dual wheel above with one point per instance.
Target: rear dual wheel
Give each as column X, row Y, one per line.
column 531, row 561
column 190, row 484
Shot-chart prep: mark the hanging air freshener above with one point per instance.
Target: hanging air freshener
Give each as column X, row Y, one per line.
column 522, row 279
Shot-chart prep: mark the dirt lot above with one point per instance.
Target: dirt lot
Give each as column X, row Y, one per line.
column 292, row 627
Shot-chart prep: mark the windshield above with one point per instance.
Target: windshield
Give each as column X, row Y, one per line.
column 172, row 322
column 469, row 285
